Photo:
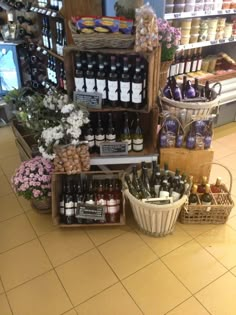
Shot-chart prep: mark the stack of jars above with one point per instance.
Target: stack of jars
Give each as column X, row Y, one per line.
column 190, row 30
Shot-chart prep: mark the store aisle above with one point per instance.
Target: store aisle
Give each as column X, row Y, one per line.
column 45, row 270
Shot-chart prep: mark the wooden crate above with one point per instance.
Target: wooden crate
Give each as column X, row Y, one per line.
column 152, row 58
column 192, row 162
column 57, row 189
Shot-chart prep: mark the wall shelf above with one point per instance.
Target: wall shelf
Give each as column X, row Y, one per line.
column 207, row 43
column 201, row 14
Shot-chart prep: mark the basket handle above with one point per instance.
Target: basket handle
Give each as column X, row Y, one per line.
column 72, row 27
column 226, row 168
column 220, row 87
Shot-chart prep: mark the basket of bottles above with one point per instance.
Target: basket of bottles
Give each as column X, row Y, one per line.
column 190, row 100
column 156, row 200
column 208, row 203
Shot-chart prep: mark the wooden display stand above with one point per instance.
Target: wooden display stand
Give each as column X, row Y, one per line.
column 192, row 162
column 56, row 192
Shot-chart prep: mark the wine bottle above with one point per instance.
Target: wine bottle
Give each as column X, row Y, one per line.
column 90, row 137
column 181, row 64
column 137, row 139
column 125, row 84
column 131, row 188
column 137, row 86
column 179, row 138
column 100, row 134
column 193, row 199
column 153, row 179
column 163, row 137
column 196, row 87
column 188, row 63
column 78, row 198
column 79, row 74
column 208, row 92
column 69, row 204
column 172, row 69
column 101, row 83
column 164, row 189
column 202, row 187
column 189, row 90
column 144, row 78
column 145, row 180
column 113, row 84
column 113, row 214
column 206, row 197
column 194, row 62
column 61, row 38
column 135, row 181
column 167, row 90
column 216, row 188
column 199, row 60
column 110, row 133
column 125, row 134
column 90, row 76
column 62, row 202
column 183, row 91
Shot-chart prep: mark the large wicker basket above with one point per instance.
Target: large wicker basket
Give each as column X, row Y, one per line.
column 101, row 40
column 217, row 213
column 191, row 109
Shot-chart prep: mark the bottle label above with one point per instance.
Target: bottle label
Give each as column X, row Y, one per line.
column 129, row 144
column 125, row 91
column 113, row 90
column 90, row 85
column 90, row 139
column 69, row 204
column 79, row 84
column 177, row 69
column 181, row 68
column 111, row 206
column 194, row 66
column 90, row 202
column 193, row 204
column 137, row 93
column 62, row 207
column 137, row 144
column 175, row 196
column 69, row 208
column 101, row 88
column 191, row 141
column 99, row 139
column 157, row 189
column 164, row 194
column 188, row 67
column 172, row 70
column 199, row 65
column 111, row 138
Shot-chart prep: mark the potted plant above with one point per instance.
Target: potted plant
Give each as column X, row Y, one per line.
column 32, row 180
column 169, row 37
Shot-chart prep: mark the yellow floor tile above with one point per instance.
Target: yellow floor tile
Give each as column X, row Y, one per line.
column 9, row 207
column 63, row 245
column 196, row 229
column 163, row 245
column 219, row 296
column 224, row 130
column 1, row 287
column 232, row 222
column 5, row 188
column 25, row 204
column 218, row 152
column 14, row 232
column 155, row 289
column 115, row 301
column 72, row 312
column 42, row 223
column 23, row 263
column 6, row 136
column 10, row 164
column 101, row 235
column 221, row 243
column 127, row 253
column 204, row 268
column 43, row 295
column 233, row 271
column 9, row 150
column 4, row 305
column 191, row 305
column 86, row 276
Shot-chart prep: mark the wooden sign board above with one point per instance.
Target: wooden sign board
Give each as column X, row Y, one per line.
column 91, row 100
column 113, row 148
column 91, row 212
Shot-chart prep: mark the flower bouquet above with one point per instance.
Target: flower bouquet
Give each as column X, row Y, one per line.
column 32, row 180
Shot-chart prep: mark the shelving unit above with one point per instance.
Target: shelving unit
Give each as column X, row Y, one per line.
column 207, row 43
column 202, row 14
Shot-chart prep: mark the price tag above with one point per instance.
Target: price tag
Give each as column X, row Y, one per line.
column 208, row 12
column 92, row 212
column 43, row 11
column 113, row 148
column 177, row 15
column 54, row 14
column 222, row 41
column 36, row 9
column 220, row 12
column 231, row 39
column 227, row 11
column 213, row 42
column 234, row 10
column 194, row 13
column 48, row 12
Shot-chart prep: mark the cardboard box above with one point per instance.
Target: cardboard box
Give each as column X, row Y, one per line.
column 192, row 162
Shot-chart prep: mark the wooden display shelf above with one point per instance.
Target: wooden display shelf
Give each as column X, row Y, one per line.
column 153, row 59
column 192, row 162
column 57, row 189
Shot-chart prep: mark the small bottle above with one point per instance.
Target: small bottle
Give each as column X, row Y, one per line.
column 137, row 86
column 163, row 137
column 101, row 83
column 125, row 135
column 202, row 187
column 193, row 199
column 216, row 189
column 189, row 90
column 110, row 134
column 90, row 76
column 137, row 138
column 191, row 139
column 131, row 188
column 113, row 84
column 167, row 92
column 125, row 86
column 79, row 74
column 206, row 197
column 172, row 69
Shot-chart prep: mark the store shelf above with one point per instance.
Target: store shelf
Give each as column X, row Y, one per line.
column 130, row 159
column 207, row 43
column 183, row 15
column 45, row 11
column 46, row 51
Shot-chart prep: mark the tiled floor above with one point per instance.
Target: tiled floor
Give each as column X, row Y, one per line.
column 45, row 270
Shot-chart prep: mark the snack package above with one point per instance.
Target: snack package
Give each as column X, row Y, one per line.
column 126, row 26
column 86, row 24
column 146, row 29
column 107, row 24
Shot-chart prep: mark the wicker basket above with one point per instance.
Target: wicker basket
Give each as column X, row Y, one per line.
column 101, row 40
column 217, row 213
column 190, row 109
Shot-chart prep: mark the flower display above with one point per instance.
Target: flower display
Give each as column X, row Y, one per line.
column 33, row 178
column 169, row 37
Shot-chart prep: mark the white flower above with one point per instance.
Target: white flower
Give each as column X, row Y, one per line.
column 45, row 154
column 52, row 106
column 66, row 109
column 50, row 135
